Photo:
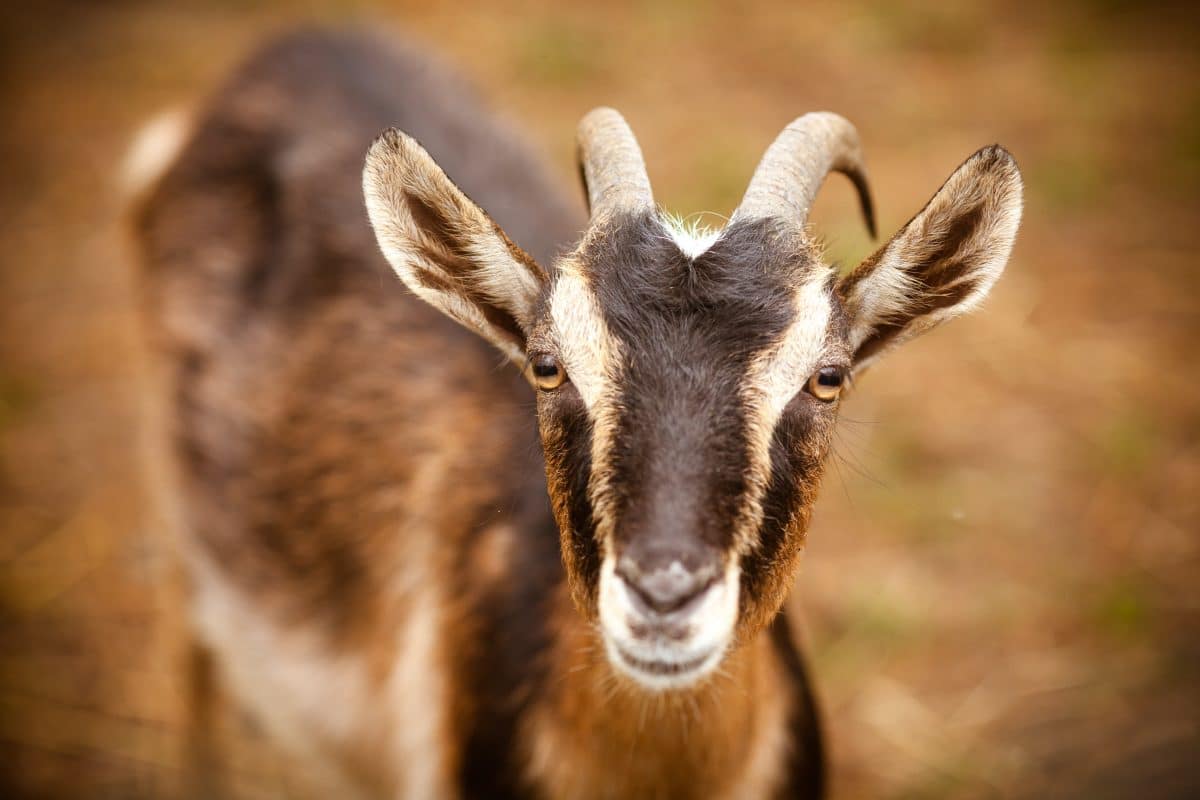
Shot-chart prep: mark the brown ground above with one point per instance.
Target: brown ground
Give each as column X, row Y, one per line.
column 1000, row 590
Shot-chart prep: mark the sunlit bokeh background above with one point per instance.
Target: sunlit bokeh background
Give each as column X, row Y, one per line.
column 1000, row 593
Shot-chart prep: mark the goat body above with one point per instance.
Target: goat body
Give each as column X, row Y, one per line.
column 372, row 555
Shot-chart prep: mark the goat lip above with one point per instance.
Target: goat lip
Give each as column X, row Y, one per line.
column 654, row 629
column 661, row 668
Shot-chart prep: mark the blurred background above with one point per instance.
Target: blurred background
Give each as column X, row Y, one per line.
column 1000, row 588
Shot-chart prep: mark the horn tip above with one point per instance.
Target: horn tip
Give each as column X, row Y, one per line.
column 600, row 115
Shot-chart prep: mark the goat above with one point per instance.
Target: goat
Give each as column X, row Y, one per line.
column 432, row 577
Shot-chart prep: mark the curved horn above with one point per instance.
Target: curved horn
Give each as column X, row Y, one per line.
column 611, row 161
column 794, row 166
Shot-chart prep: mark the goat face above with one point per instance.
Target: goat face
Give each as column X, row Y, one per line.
column 681, row 484
column 687, row 390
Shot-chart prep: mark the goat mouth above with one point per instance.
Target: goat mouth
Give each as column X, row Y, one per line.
column 663, row 669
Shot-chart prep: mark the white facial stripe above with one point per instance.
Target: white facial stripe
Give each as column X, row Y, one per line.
column 773, row 380
column 588, row 352
column 784, row 369
column 592, row 359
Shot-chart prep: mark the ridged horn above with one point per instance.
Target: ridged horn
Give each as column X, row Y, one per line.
column 795, row 165
column 614, row 173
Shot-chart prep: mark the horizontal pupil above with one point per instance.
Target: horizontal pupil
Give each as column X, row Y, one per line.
column 829, row 379
column 545, row 370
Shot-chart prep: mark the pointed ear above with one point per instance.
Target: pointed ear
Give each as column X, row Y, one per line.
column 942, row 263
column 445, row 248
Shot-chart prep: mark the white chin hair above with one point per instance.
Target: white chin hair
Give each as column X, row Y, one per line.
column 662, row 675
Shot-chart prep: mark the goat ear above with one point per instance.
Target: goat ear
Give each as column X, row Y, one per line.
column 942, row 263
column 445, row 248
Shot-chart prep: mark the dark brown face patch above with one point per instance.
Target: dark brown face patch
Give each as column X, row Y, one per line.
column 799, row 445
column 567, row 434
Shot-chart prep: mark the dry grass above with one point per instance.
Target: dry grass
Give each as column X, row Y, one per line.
column 1000, row 590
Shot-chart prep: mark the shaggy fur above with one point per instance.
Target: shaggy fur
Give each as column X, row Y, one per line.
column 395, row 558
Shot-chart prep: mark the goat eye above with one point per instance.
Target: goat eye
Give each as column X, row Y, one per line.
column 826, row 383
column 547, row 372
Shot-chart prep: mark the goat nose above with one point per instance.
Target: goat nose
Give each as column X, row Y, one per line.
column 665, row 588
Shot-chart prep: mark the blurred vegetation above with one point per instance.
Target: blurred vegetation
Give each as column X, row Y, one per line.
column 559, row 53
column 999, row 591
column 16, row 396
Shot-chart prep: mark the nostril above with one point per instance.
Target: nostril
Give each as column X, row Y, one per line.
column 665, row 589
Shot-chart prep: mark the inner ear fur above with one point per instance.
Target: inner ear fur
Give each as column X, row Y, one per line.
column 445, row 248
column 942, row 263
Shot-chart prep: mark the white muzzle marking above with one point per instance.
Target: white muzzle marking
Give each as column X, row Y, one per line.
column 673, row 650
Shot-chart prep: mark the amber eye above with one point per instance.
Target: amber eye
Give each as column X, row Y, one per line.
column 826, row 383
column 547, row 372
